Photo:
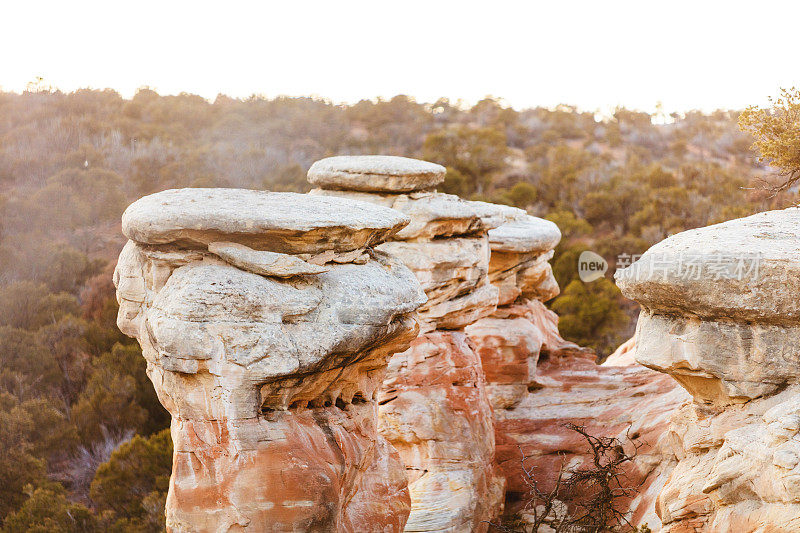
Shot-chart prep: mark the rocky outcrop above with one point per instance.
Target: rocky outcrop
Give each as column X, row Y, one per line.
column 434, row 405
column 267, row 320
column 568, row 387
column 538, row 382
column 510, row 340
column 720, row 315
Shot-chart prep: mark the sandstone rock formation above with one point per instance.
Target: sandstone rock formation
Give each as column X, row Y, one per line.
column 538, row 382
column 267, row 320
column 472, row 389
column 509, row 342
column 434, row 406
column 720, row 315
column 375, row 173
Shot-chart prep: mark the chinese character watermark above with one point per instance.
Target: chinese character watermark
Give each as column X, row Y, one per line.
column 689, row 266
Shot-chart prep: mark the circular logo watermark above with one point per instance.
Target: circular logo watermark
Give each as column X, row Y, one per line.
column 591, row 266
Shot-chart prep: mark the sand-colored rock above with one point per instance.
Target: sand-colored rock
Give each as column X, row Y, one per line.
column 271, row 381
column 375, row 173
column 434, row 406
column 273, row 221
column 624, row 355
column 432, row 214
column 509, row 350
column 528, row 276
column 445, row 268
column 525, row 234
column 262, row 262
column 434, row 410
column 743, row 270
column 720, row 316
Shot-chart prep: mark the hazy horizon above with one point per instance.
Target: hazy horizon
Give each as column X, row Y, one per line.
column 693, row 57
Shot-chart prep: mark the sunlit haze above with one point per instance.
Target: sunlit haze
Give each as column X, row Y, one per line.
column 596, row 55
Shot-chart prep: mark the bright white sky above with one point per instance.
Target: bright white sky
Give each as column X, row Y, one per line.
column 596, row 54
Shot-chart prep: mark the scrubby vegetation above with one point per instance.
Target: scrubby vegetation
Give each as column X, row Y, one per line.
column 73, row 390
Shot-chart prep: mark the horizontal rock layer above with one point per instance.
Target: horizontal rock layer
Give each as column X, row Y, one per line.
column 274, row 221
column 375, row 173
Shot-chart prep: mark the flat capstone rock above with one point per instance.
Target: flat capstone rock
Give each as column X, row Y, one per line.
column 743, row 269
column 375, row 173
column 525, row 234
column 282, row 222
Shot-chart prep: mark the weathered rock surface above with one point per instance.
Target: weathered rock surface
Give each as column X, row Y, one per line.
column 435, row 411
column 538, row 382
column 509, row 350
column 270, row 380
column 273, row 221
column 434, row 406
column 432, row 214
column 525, row 234
column 741, row 270
column 262, row 262
column 567, row 386
column 375, row 173
column 721, row 317
column 624, row 355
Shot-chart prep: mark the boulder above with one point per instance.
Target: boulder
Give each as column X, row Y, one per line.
column 375, row 173
column 525, row 234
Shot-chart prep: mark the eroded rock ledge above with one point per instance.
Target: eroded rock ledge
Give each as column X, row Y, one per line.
column 720, row 315
column 267, row 320
column 434, row 404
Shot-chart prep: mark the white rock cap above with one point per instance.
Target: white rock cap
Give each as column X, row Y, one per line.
column 273, row 221
column 746, row 269
column 375, row 173
column 525, row 234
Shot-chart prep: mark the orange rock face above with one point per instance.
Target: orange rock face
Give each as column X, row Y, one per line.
column 563, row 385
column 325, row 470
column 435, row 411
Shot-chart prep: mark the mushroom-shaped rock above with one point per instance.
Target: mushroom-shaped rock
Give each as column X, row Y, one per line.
column 434, row 405
column 268, row 363
column 720, row 315
column 273, row 221
column 719, row 306
column 375, row 173
column 745, row 269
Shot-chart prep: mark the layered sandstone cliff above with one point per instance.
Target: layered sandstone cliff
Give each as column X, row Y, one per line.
column 434, row 404
column 719, row 315
column 267, row 320
column 539, row 383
